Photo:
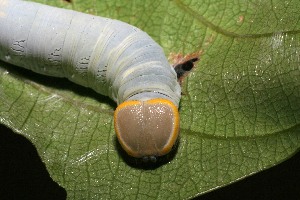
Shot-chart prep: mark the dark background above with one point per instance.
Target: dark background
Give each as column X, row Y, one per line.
column 24, row 176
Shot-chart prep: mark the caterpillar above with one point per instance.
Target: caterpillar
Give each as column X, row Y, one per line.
column 111, row 57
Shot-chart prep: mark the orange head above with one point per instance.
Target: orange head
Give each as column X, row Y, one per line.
column 146, row 129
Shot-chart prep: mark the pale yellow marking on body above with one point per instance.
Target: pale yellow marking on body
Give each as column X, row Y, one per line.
column 3, row 4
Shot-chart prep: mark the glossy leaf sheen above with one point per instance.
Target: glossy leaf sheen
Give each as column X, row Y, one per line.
column 240, row 112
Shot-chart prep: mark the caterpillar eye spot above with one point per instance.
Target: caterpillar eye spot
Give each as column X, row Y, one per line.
column 146, row 129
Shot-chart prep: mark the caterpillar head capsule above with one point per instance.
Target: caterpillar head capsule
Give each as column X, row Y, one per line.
column 146, row 129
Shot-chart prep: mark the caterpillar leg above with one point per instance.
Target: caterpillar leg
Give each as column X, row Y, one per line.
column 146, row 129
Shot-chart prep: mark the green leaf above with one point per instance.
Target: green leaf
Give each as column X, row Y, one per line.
column 240, row 111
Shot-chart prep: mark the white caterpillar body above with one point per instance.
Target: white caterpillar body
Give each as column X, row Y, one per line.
column 111, row 57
